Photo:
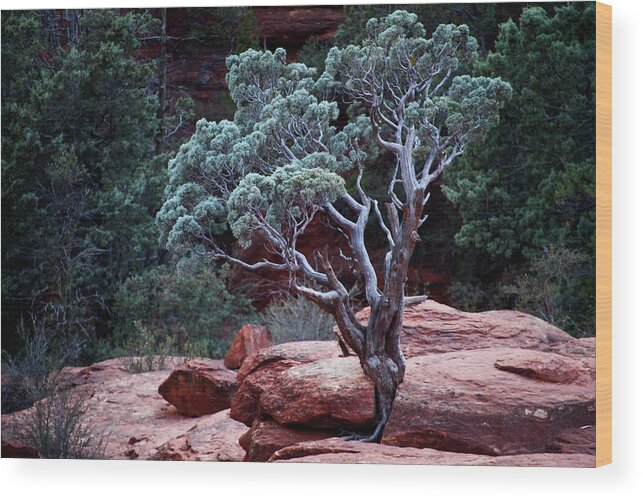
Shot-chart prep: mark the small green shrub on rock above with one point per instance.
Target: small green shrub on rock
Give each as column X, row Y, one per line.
column 298, row 319
column 553, row 290
column 58, row 428
column 33, row 373
column 182, row 312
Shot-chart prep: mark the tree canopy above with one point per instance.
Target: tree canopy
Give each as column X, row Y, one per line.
column 79, row 182
column 284, row 153
column 529, row 192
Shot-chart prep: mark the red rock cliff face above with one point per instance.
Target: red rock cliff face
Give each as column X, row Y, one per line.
column 290, row 27
column 196, row 57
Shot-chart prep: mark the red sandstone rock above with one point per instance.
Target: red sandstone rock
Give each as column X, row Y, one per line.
column 461, row 402
column 138, row 423
column 249, row 340
column 261, row 371
column 338, row 451
column 329, row 393
column 200, row 386
column 549, row 367
column 96, row 373
column 292, row 26
column 300, row 352
column 575, row 441
column 245, row 404
column 213, row 438
column 430, row 327
column 266, row 437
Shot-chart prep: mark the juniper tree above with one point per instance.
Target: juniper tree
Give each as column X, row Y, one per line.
column 80, row 185
column 529, row 193
column 280, row 164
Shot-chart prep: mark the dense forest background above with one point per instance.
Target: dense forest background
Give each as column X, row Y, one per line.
column 95, row 103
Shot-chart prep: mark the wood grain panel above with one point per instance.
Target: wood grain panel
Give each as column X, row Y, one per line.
column 603, row 234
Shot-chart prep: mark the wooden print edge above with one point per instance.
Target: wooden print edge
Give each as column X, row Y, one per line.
column 603, row 234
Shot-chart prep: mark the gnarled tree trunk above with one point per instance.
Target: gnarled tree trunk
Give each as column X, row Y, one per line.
column 381, row 355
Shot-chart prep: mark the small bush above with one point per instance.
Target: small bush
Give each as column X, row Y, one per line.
column 33, row 373
column 476, row 297
column 181, row 312
column 298, row 319
column 57, row 427
column 147, row 352
column 556, row 290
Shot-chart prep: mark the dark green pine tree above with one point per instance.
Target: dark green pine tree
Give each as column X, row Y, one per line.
column 527, row 196
column 80, row 183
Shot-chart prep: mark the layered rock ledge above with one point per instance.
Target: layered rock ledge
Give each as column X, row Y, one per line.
column 495, row 388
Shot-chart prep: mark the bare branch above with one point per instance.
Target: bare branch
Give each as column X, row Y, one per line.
column 253, row 267
column 394, row 220
column 352, row 202
column 362, row 194
column 344, row 223
column 323, row 297
column 389, row 146
column 310, row 272
column 413, row 300
column 389, row 236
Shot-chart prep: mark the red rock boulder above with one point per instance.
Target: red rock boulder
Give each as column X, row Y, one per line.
column 298, row 352
column 430, row 327
column 266, row 437
column 200, row 386
column 329, row 393
column 260, row 371
column 250, row 339
column 491, row 401
column 338, row 451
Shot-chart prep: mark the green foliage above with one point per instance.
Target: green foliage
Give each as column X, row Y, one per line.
column 181, row 312
column 205, row 178
column 58, row 428
column 482, row 18
column 533, row 184
column 33, row 372
column 393, row 39
column 298, row 319
column 146, row 352
column 247, row 33
column 474, row 295
column 397, row 68
column 256, row 77
column 231, row 29
column 395, row 54
column 80, row 180
column 281, row 198
column 313, row 53
column 553, row 290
